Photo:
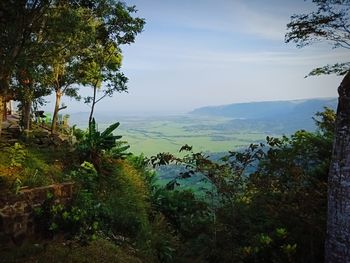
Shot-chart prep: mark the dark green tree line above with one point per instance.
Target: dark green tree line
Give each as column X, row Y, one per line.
column 266, row 203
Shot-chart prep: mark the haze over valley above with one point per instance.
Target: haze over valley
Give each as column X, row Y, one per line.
column 212, row 129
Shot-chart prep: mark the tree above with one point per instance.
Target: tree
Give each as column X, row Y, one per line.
column 331, row 23
column 54, row 38
column 18, row 21
column 27, row 89
column 69, row 31
column 101, row 62
column 266, row 203
column 34, row 34
column 103, row 75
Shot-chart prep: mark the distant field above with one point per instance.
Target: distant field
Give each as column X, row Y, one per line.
column 212, row 129
column 167, row 134
column 152, row 135
column 214, row 134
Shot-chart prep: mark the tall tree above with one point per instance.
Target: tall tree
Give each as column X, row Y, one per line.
column 18, row 21
column 102, row 61
column 60, row 35
column 69, row 32
column 102, row 73
column 331, row 23
column 27, row 88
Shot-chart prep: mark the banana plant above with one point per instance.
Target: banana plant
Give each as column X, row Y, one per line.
column 95, row 143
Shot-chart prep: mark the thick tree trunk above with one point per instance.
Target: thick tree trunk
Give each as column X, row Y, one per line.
column 27, row 115
column 55, row 113
column 337, row 249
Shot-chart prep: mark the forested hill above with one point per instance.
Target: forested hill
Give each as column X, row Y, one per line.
column 274, row 117
column 269, row 109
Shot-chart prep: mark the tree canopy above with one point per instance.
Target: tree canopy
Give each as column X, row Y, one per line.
column 59, row 45
column 330, row 23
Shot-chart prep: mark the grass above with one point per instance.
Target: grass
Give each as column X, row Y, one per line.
column 56, row 251
column 27, row 165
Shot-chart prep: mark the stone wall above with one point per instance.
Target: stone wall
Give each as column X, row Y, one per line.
column 17, row 211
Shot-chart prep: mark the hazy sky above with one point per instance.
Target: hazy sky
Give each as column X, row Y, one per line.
column 196, row 53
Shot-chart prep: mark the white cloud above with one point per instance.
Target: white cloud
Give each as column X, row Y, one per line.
column 231, row 17
column 172, row 56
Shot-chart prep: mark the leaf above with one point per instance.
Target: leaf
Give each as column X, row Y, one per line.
column 110, row 129
column 186, row 147
column 339, row 69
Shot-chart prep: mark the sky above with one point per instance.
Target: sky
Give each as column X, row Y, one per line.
column 195, row 53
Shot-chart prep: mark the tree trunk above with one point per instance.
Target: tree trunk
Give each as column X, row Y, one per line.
column 4, row 87
column 337, row 248
column 2, row 102
column 27, row 115
column 55, row 113
column 92, row 108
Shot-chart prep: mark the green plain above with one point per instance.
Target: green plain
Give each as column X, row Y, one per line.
column 152, row 135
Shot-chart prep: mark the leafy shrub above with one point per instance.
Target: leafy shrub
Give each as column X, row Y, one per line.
column 94, row 144
column 163, row 240
column 268, row 201
column 114, row 205
column 126, row 205
column 18, row 155
column 74, row 220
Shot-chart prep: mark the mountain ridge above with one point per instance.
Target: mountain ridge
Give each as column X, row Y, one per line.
column 268, row 109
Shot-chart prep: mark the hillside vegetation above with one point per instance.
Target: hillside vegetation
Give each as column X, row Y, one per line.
column 272, row 213
column 261, row 197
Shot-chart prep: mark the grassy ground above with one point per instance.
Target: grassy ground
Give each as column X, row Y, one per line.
column 57, row 252
column 28, row 165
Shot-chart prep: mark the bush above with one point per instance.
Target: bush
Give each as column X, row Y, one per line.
column 93, row 145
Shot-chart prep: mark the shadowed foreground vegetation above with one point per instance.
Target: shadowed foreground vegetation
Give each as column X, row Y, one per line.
column 263, row 204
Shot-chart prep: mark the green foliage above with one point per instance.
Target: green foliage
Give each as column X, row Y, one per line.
column 126, row 206
column 46, row 166
column 35, row 178
column 267, row 203
column 163, row 241
column 338, row 68
column 75, row 220
column 315, row 26
column 190, row 218
column 183, row 210
column 114, row 206
column 93, row 145
column 18, row 155
column 270, row 248
column 101, row 62
column 50, row 46
column 330, row 23
column 325, row 122
column 23, row 165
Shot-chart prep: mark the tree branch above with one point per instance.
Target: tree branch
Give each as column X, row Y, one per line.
column 62, row 108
